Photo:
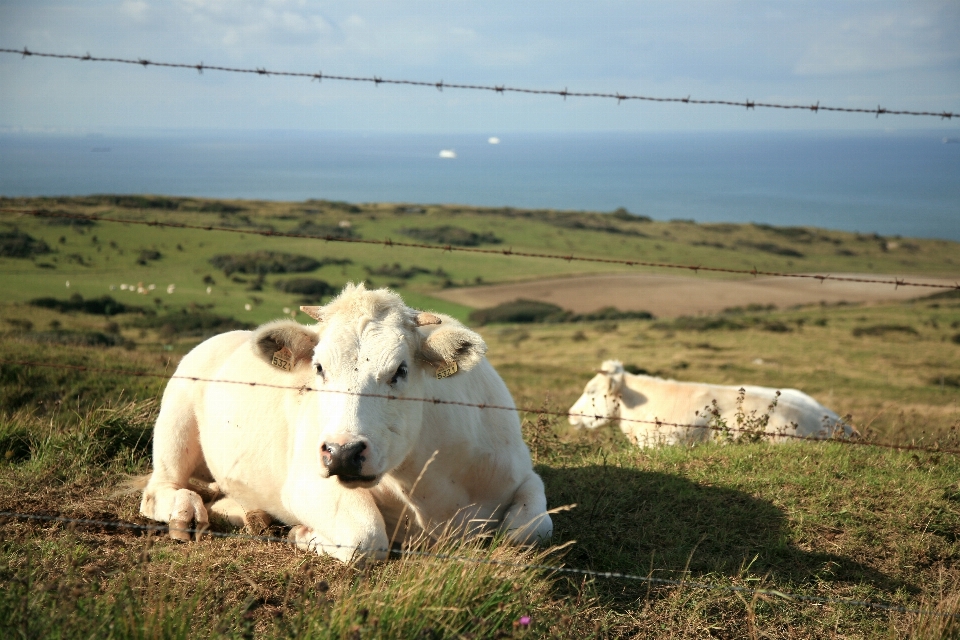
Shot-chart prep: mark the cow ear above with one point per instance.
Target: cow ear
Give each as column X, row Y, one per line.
column 615, row 380
column 613, row 369
column 448, row 341
column 291, row 340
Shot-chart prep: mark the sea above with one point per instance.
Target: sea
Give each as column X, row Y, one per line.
column 892, row 183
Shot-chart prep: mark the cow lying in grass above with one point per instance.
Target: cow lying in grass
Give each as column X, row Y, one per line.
column 351, row 467
column 645, row 406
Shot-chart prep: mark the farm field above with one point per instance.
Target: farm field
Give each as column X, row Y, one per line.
column 818, row 519
column 671, row 296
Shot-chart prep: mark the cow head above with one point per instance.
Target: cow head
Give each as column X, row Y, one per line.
column 368, row 353
column 601, row 398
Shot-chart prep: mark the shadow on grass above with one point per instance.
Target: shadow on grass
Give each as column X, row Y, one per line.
column 652, row 523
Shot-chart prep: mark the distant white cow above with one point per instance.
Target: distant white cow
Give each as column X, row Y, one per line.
column 643, row 404
column 351, row 464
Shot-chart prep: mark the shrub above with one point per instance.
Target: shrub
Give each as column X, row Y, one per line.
column 637, row 371
column 699, row 323
column 104, row 305
column 883, row 329
column 516, row 311
column 306, row 287
column 448, row 234
column 949, row 294
column 946, row 381
column 536, row 311
column 220, row 207
column 621, row 213
column 148, row 254
column 190, row 323
column 336, row 205
column 17, row 244
column 750, row 308
column 136, row 202
column 65, row 222
column 311, row 228
column 20, row 324
column 776, row 326
column 264, row 262
column 396, row 270
column 797, row 234
column 74, row 338
column 609, row 313
column 775, row 249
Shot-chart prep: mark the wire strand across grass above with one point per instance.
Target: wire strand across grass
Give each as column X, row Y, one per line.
column 720, row 427
column 897, row 282
column 491, row 557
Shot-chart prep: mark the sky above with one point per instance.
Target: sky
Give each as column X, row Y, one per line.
column 901, row 55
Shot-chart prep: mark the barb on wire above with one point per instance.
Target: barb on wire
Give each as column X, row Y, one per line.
column 501, row 89
column 42, row 213
column 590, row 573
column 538, row 410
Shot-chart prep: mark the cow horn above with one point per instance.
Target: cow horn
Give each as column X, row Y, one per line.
column 313, row 312
column 424, row 318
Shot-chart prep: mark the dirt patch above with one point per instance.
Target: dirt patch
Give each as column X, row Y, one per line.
column 672, row 296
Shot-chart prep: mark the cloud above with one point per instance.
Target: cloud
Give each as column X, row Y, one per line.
column 136, row 9
column 881, row 41
column 238, row 23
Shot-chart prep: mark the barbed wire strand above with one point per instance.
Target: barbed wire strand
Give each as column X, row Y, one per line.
column 591, row 573
column 501, row 89
column 834, row 437
column 897, row 282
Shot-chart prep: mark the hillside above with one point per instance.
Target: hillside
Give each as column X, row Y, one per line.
column 93, row 256
column 825, row 520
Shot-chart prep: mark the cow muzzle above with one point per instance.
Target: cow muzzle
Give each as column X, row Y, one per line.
column 345, row 461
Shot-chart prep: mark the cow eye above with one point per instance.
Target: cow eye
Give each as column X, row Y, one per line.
column 319, row 369
column 400, row 374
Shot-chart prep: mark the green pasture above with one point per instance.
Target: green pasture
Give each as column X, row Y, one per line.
column 95, row 257
column 819, row 519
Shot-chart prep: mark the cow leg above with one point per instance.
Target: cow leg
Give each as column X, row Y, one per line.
column 254, row 521
column 340, row 522
column 176, row 455
column 527, row 520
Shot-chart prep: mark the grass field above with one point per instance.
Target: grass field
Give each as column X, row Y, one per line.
column 826, row 519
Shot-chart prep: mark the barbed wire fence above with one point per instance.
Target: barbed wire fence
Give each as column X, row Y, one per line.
column 832, row 434
column 896, row 282
column 501, row 89
column 548, row 568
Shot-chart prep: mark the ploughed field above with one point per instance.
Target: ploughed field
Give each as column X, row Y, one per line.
column 820, row 519
column 673, row 296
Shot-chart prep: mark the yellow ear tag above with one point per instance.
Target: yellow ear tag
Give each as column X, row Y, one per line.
column 447, row 371
column 282, row 359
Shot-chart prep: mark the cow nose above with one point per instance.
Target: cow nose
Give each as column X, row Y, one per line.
column 344, row 460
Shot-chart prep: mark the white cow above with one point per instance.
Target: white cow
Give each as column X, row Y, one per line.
column 351, row 464
column 643, row 404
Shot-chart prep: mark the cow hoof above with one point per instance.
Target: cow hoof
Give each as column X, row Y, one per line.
column 303, row 537
column 180, row 530
column 257, row 522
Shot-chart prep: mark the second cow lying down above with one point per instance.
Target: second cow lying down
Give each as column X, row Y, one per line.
column 323, row 429
column 645, row 404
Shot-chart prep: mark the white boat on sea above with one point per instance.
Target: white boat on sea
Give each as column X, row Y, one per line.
column 448, row 153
